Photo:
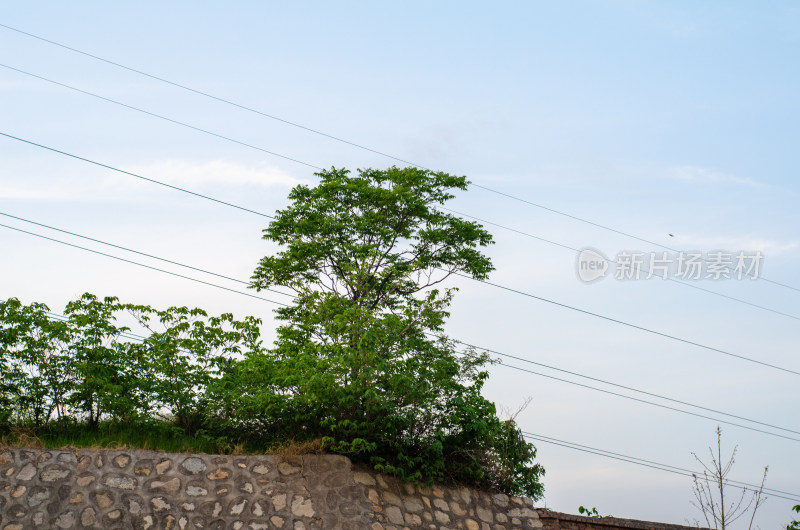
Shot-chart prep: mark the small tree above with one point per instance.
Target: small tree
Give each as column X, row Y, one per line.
column 105, row 367
column 81, row 368
column 720, row 503
column 593, row 513
column 361, row 360
column 38, row 373
column 794, row 525
column 60, row 366
column 184, row 356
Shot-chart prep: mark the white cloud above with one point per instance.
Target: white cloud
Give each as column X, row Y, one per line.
column 46, row 189
column 216, row 172
column 705, row 175
column 8, row 192
column 769, row 247
column 108, row 185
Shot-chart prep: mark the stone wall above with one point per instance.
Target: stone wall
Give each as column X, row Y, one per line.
column 120, row 489
column 113, row 489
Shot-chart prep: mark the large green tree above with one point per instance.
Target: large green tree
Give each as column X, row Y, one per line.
column 361, row 360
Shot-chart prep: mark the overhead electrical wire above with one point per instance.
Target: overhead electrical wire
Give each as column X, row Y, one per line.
column 162, row 117
column 262, row 214
column 456, row 341
column 217, row 98
column 141, row 264
column 138, row 252
column 644, row 269
column 330, row 136
column 154, row 181
column 245, row 144
column 659, row 405
column 655, row 465
column 320, row 168
column 610, row 229
column 617, row 385
column 509, row 289
column 633, row 326
column 549, row 439
column 124, row 334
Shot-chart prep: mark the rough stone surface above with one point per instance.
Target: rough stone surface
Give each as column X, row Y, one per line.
column 193, row 465
column 151, row 490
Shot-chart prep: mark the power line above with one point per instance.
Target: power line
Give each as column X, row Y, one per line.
column 608, row 228
column 165, row 118
column 177, row 188
column 268, row 289
column 217, row 98
column 676, row 280
column 139, row 252
column 617, row 385
column 64, row 318
column 460, row 342
column 319, row 168
column 142, row 265
column 651, row 464
column 659, row 405
column 271, row 217
column 509, row 289
column 332, row 137
column 124, row 334
column 556, row 441
column 630, row 325
column 390, row 156
column 205, row 131
column 629, row 460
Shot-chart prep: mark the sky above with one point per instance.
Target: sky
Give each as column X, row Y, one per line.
column 674, row 122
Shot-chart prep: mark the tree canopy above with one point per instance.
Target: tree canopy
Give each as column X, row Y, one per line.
column 361, row 358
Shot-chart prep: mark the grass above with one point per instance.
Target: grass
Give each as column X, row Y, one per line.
column 151, row 435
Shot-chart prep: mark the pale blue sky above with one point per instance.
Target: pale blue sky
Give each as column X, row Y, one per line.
column 652, row 118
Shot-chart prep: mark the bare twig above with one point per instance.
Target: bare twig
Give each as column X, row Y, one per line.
column 711, row 491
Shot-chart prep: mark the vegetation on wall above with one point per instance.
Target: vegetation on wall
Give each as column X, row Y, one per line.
column 361, row 364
